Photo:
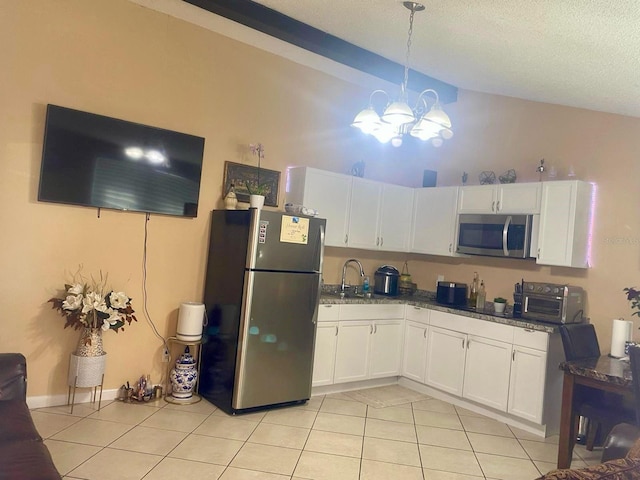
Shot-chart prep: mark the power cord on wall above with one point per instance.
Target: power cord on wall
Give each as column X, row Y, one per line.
column 145, row 296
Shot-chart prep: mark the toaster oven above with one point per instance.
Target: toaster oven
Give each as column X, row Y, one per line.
column 555, row 303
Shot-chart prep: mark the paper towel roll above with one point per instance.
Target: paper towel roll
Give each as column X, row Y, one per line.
column 620, row 333
column 191, row 321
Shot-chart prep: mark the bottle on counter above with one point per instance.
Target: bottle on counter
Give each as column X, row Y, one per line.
column 481, row 297
column 473, row 291
column 365, row 287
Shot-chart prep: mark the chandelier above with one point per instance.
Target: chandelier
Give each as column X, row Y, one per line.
column 398, row 118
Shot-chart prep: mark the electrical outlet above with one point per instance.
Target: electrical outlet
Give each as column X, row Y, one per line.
column 165, row 355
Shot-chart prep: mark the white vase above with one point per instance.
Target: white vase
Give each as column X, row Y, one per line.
column 498, row 307
column 256, row 201
column 231, row 200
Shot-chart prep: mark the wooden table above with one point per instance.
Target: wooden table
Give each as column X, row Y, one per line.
column 603, row 373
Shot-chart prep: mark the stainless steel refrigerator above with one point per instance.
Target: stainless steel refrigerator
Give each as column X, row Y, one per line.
column 261, row 294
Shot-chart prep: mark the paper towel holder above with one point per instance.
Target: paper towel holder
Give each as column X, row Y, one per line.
column 191, row 321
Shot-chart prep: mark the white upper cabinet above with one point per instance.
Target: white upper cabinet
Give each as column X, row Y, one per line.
column 379, row 216
column 517, row 198
column 360, row 213
column 395, row 218
column 327, row 192
column 434, row 221
column 364, row 223
column 565, row 222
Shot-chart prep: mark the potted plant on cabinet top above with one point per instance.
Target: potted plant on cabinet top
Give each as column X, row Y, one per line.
column 257, row 190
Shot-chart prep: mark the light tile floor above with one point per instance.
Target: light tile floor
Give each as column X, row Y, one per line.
column 332, row 437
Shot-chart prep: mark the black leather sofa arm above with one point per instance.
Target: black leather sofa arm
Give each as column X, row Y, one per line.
column 13, row 376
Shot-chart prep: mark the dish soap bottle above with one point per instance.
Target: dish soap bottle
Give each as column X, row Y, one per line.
column 473, row 292
column 482, row 296
column 365, row 287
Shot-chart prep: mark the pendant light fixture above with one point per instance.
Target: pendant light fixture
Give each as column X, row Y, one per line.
column 398, row 118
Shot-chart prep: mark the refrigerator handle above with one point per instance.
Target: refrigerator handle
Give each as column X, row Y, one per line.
column 315, row 298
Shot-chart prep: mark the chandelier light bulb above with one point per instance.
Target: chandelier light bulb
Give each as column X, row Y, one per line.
column 396, row 141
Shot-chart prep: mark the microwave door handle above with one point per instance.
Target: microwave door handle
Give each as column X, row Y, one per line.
column 505, row 235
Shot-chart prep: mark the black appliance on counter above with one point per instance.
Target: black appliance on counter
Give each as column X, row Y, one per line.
column 386, row 280
column 450, row 293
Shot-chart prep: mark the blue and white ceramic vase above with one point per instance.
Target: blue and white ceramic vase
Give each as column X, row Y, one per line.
column 183, row 376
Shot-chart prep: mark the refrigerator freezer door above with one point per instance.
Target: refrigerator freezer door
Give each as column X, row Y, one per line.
column 277, row 334
column 284, row 242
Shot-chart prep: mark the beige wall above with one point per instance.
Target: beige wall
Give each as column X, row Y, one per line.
column 116, row 58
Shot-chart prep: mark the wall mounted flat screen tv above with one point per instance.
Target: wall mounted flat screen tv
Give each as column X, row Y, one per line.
column 103, row 162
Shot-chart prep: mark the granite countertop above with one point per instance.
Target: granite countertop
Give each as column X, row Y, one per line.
column 604, row 368
column 426, row 299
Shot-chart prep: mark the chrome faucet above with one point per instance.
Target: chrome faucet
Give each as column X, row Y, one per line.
column 343, row 286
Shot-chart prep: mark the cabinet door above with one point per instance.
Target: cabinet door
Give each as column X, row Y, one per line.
column 520, row 198
column 486, row 375
column 327, row 192
column 434, row 221
column 528, row 376
column 395, row 218
column 366, row 197
column 477, row 199
column 324, row 356
column 414, row 361
column 445, row 360
column 565, row 221
column 352, row 351
column 386, row 348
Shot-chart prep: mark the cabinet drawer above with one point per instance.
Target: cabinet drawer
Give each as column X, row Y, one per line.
column 472, row 326
column 417, row 314
column 371, row 312
column 531, row 338
column 328, row 313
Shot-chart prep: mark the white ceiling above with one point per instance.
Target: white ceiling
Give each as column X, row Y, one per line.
column 581, row 53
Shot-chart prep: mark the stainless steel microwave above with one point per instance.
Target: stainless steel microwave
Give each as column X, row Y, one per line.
column 495, row 235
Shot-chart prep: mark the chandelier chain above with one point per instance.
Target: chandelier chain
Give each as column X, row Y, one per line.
column 406, row 61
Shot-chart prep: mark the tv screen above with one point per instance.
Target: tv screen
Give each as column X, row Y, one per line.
column 103, row 162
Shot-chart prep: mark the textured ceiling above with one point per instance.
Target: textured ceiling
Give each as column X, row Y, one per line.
column 581, row 53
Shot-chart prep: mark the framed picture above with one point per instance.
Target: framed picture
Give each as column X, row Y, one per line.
column 240, row 175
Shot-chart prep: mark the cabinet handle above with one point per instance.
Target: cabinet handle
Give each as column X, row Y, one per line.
column 493, row 206
column 370, row 329
column 463, row 343
column 498, row 206
column 417, row 308
column 425, row 333
column 346, row 239
column 468, row 342
column 336, row 331
column 381, row 241
column 538, row 253
column 529, row 330
column 375, row 328
column 450, row 246
column 328, row 306
column 513, row 356
column 377, row 241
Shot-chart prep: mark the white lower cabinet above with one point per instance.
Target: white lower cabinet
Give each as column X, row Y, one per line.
column 386, row 348
column 324, row 355
column 446, row 354
column 365, row 343
column 352, row 352
column 368, row 349
column 486, row 373
column 414, row 355
column 528, row 375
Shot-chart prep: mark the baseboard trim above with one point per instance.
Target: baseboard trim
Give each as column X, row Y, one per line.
column 83, row 396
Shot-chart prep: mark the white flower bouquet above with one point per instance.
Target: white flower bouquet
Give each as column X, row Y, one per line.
column 93, row 306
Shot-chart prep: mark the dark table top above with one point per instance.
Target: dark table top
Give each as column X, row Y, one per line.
column 605, row 369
